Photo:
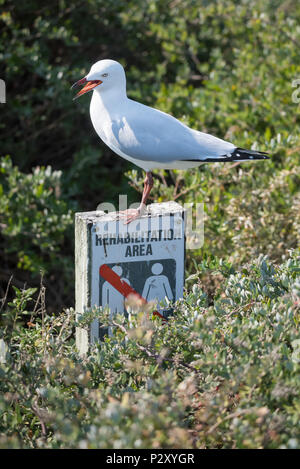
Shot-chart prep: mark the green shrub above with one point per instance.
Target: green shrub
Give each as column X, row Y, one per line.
column 34, row 217
column 225, row 371
column 36, row 226
column 223, row 67
column 220, row 376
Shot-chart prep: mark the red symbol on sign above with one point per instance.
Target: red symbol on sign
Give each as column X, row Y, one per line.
column 121, row 286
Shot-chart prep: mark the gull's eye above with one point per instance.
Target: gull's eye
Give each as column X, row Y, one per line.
column 105, row 75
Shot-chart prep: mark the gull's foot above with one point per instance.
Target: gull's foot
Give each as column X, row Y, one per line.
column 131, row 214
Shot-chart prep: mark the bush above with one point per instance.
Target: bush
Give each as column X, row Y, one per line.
column 35, row 220
column 224, row 372
column 222, row 67
column 220, row 376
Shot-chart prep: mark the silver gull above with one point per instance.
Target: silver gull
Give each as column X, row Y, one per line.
column 147, row 137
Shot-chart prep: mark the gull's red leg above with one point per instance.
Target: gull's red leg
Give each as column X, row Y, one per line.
column 148, row 184
column 133, row 213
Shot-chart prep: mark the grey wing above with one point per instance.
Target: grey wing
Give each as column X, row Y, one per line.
column 147, row 134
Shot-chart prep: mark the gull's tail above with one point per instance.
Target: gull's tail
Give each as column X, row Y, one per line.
column 239, row 154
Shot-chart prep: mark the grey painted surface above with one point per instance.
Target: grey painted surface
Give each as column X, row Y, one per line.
column 148, row 254
column 3, row 351
column 83, row 225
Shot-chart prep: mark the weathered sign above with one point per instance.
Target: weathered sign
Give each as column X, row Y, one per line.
column 114, row 259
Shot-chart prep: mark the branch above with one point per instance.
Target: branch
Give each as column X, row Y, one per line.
column 238, row 413
column 37, row 412
column 3, row 300
column 152, row 354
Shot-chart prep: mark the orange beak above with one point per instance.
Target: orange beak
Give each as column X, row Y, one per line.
column 88, row 86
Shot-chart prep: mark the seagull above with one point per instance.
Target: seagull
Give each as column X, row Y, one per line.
column 147, row 137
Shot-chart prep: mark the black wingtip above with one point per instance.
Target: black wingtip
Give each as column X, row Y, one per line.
column 240, row 154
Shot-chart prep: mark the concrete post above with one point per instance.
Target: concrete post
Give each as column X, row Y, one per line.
column 113, row 259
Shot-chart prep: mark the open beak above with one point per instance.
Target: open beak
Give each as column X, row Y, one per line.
column 88, row 86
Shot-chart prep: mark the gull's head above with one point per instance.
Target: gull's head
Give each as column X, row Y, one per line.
column 103, row 75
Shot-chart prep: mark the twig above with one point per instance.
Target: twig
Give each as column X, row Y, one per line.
column 152, row 354
column 3, row 300
column 64, row 326
column 229, row 417
column 38, row 414
column 185, row 191
column 240, row 308
column 176, row 187
column 161, row 175
column 40, row 300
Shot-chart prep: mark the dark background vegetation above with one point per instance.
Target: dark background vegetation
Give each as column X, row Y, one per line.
column 225, row 371
column 223, row 67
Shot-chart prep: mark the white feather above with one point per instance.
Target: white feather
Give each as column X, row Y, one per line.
column 147, row 137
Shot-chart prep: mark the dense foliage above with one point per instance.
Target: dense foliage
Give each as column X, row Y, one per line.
column 219, row 376
column 225, row 67
column 224, row 372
